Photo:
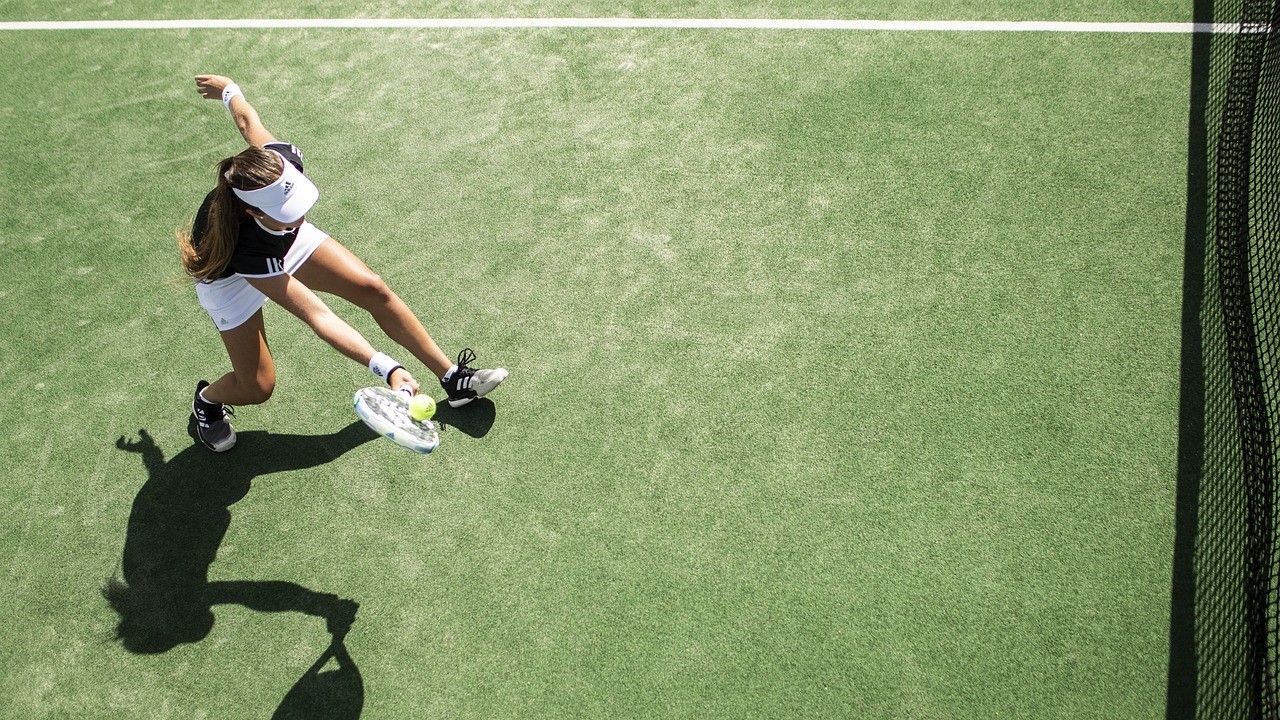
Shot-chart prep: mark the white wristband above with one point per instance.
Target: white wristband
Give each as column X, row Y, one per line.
column 229, row 92
column 382, row 365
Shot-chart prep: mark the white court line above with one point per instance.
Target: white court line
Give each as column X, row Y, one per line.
column 637, row 23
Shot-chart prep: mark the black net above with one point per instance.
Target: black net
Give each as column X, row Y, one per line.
column 1226, row 612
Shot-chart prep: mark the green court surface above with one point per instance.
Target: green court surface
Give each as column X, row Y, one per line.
column 844, row 369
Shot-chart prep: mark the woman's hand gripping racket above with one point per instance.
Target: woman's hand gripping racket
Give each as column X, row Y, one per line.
column 386, row 412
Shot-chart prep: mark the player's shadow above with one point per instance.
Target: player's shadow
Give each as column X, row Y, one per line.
column 179, row 518
column 475, row 418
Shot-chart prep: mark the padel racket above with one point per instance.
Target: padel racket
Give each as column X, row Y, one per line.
column 386, row 412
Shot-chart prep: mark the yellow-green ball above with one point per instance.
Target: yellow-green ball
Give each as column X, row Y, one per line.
column 421, row 407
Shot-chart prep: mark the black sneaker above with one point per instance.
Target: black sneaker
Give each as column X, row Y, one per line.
column 465, row 384
column 211, row 422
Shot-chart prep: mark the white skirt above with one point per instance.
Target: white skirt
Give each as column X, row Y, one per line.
column 232, row 300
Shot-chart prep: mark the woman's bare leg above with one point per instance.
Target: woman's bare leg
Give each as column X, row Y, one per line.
column 335, row 270
column 253, row 373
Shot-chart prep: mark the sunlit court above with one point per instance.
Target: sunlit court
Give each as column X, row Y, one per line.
column 894, row 360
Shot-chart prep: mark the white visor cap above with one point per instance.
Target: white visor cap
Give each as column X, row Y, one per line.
column 287, row 199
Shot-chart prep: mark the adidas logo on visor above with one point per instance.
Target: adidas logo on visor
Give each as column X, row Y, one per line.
column 287, row 187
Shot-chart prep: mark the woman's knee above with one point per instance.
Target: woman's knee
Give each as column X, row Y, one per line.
column 257, row 389
column 372, row 291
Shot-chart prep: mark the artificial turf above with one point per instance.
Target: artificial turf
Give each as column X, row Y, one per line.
column 844, row 374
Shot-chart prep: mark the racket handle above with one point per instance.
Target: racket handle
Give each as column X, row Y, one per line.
column 406, row 390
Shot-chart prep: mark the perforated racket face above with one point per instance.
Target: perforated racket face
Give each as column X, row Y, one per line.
column 386, row 412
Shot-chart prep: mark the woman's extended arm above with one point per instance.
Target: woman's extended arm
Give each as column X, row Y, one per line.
column 299, row 300
column 245, row 117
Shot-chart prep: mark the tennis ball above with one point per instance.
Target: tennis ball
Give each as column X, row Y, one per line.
column 421, row 407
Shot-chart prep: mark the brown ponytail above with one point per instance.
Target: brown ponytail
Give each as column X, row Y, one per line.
column 207, row 258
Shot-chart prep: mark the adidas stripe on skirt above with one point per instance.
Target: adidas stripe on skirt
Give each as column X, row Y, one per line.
column 232, row 300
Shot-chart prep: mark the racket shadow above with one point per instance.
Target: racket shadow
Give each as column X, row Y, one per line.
column 475, row 418
column 320, row 694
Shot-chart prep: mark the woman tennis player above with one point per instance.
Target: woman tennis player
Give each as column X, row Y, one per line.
column 251, row 242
